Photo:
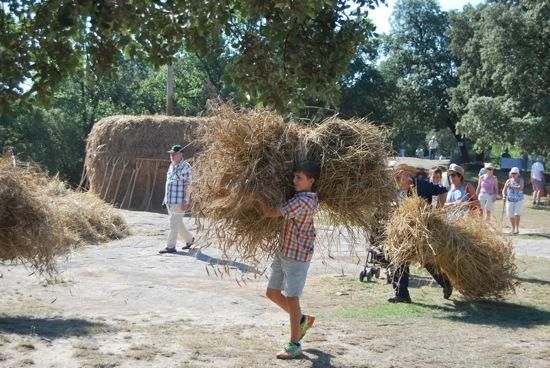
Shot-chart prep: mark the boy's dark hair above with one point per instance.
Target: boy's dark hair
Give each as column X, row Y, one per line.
column 436, row 170
column 310, row 168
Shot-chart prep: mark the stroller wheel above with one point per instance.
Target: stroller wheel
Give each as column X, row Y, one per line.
column 389, row 276
column 370, row 274
column 377, row 273
column 362, row 276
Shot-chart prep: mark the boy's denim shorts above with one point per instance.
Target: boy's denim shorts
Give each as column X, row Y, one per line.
column 288, row 275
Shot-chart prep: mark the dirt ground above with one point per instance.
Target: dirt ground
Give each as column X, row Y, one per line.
column 122, row 304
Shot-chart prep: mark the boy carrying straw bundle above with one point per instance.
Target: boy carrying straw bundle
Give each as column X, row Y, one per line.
column 291, row 263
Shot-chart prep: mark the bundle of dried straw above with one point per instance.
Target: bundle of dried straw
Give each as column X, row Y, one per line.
column 476, row 259
column 249, row 155
column 40, row 218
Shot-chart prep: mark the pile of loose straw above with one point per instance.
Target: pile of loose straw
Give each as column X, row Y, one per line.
column 476, row 259
column 40, row 218
column 249, row 155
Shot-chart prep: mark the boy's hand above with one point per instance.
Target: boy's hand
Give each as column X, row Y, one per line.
column 267, row 210
column 184, row 205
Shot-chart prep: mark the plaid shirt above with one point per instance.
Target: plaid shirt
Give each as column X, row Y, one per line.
column 298, row 234
column 177, row 180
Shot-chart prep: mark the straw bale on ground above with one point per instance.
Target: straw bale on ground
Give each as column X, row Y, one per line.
column 249, row 155
column 114, row 146
column 478, row 261
column 40, row 218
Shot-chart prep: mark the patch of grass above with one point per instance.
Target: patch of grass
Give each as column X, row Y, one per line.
column 27, row 361
column 90, row 357
column 25, row 346
column 142, row 352
column 4, row 339
column 385, row 311
column 56, row 281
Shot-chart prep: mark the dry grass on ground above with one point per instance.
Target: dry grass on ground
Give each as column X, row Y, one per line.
column 41, row 218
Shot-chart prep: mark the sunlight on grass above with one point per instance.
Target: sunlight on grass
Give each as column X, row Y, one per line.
column 384, row 311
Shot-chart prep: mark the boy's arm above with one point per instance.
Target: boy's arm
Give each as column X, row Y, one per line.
column 268, row 211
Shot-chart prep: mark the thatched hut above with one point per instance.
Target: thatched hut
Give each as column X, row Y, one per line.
column 126, row 159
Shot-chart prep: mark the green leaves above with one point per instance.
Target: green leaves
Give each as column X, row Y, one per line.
column 283, row 51
column 504, row 77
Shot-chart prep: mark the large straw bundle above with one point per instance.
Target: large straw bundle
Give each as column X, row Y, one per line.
column 355, row 181
column 476, row 259
column 41, row 219
column 126, row 159
column 249, row 155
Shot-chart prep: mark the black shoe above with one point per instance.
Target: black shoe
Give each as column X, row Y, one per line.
column 447, row 291
column 167, row 250
column 189, row 244
column 400, row 299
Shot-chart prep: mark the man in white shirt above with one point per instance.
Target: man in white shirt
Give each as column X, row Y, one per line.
column 537, row 179
column 432, row 145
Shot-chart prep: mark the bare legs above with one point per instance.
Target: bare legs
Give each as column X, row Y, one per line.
column 515, row 224
column 291, row 305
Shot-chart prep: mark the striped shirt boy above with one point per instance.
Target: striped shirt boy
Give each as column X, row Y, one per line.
column 298, row 235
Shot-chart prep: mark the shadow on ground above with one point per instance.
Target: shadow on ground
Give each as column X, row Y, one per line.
column 492, row 312
column 535, row 236
column 533, row 281
column 213, row 261
column 318, row 358
column 50, row 328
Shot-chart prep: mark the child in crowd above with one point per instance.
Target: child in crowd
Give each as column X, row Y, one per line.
column 291, row 263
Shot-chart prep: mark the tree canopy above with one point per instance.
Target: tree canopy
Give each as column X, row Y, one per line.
column 503, row 95
column 282, row 52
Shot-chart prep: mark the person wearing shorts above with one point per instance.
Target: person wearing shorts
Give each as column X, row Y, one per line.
column 291, row 262
column 487, row 189
column 513, row 197
column 537, row 179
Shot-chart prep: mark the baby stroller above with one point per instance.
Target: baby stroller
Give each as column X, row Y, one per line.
column 376, row 259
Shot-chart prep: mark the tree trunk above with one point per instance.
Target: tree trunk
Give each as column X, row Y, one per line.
column 170, row 91
column 461, row 142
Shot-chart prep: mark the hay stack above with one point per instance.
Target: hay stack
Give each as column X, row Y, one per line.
column 355, row 181
column 247, row 156
column 41, row 219
column 250, row 155
column 114, row 145
column 476, row 259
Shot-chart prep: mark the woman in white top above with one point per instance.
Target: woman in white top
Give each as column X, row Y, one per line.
column 487, row 189
column 513, row 197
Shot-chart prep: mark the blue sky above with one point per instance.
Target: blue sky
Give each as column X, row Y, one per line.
column 381, row 15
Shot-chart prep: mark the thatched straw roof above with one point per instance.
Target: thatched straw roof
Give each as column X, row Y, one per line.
column 126, row 159
column 478, row 261
column 250, row 154
column 40, row 218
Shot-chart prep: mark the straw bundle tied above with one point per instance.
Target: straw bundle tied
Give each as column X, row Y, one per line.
column 41, row 219
column 250, row 155
column 476, row 259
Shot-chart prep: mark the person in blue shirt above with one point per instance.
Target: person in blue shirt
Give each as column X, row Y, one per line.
column 408, row 185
